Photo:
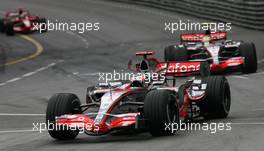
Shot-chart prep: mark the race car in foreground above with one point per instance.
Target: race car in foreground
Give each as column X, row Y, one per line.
column 138, row 105
column 221, row 54
column 20, row 21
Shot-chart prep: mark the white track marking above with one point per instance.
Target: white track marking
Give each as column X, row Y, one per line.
column 256, row 123
column 27, row 74
column 13, row 80
column 87, row 74
column 240, row 77
column 2, row 84
column 258, row 73
column 261, row 61
column 83, row 74
column 80, row 37
column 18, row 131
column 10, row 114
column 258, row 109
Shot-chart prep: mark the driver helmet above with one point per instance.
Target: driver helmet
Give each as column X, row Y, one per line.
column 207, row 37
column 20, row 11
column 208, row 32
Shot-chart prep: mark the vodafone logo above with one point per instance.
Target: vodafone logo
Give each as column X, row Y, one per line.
column 180, row 67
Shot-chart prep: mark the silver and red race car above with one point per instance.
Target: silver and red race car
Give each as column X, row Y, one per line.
column 221, row 54
column 20, row 21
column 140, row 106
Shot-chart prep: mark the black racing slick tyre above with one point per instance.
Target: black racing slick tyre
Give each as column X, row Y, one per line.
column 9, row 29
column 218, row 98
column 60, row 104
column 2, row 26
column 248, row 51
column 175, row 53
column 161, row 109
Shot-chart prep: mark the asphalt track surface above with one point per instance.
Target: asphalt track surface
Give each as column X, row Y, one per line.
column 69, row 61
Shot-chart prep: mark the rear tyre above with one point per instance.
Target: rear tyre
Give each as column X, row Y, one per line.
column 9, row 29
column 248, row 51
column 218, row 99
column 160, row 108
column 2, row 26
column 60, row 104
column 173, row 53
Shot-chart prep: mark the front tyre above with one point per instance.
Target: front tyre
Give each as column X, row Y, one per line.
column 248, row 51
column 218, row 98
column 61, row 104
column 160, row 108
column 9, row 29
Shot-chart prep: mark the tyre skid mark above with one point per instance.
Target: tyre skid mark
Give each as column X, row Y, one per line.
column 80, row 37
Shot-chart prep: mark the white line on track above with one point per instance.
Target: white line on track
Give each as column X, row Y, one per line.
column 27, row 74
column 261, row 61
column 85, row 74
column 258, row 73
column 13, row 80
column 11, row 114
column 257, row 123
column 18, row 131
column 239, row 77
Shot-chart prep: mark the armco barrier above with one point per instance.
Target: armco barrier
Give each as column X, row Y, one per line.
column 245, row 13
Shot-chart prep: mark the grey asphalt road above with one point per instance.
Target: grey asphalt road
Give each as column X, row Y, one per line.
column 70, row 59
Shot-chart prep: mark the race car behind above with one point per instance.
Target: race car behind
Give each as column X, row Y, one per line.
column 20, row 21
column 221, row 54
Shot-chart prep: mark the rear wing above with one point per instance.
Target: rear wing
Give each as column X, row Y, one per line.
column 183, row 68
column 197, row 37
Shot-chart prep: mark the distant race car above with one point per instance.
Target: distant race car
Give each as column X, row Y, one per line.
column 20, row 21
column 220, row 53
column 139, row 106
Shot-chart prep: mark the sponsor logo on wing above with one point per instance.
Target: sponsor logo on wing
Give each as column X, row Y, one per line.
column 180, row 67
